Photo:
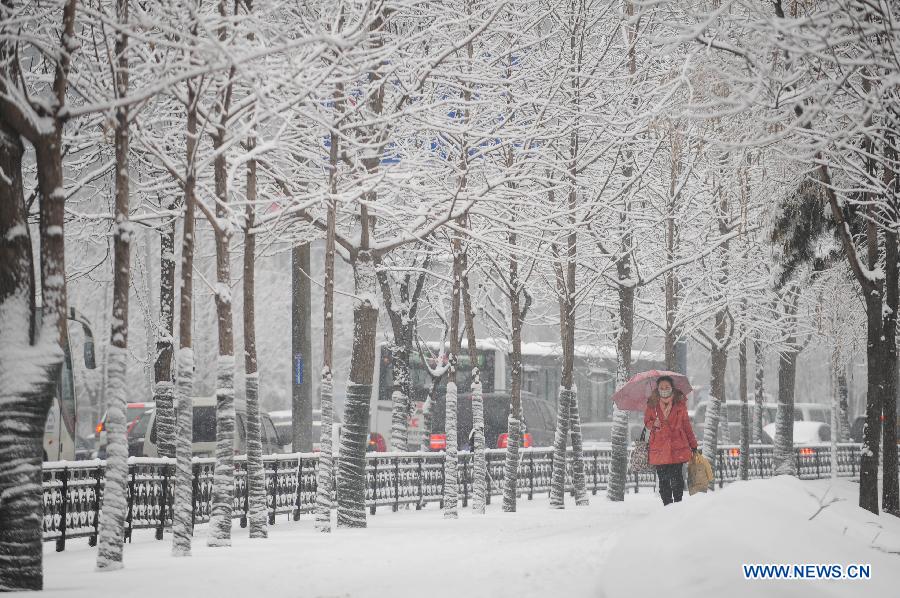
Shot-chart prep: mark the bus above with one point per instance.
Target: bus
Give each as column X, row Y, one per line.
column 595, row 374
column 60, row 429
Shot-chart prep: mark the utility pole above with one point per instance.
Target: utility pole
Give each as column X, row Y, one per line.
column 301, row 345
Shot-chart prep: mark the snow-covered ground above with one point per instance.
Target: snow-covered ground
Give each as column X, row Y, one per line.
column 631, row 549
column 698, row 547
column 534, row 552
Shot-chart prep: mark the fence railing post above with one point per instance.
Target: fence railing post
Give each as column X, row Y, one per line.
column 245, row 504
column 720, row 457
column 274, row 492
column 465, row 481
column 129, row 517
column 63, row 508
column 443, row 478
column 195, row 495
column 164, row 502
column 92, row 540
column 396, row 483
column 374, row 505
column 530, row 476
column 490, row 478
column 570, row 473
column 594, row 489
column 420, row 459
column 297, row 503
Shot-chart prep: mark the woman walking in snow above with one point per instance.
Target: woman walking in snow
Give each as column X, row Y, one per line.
column 672, row 439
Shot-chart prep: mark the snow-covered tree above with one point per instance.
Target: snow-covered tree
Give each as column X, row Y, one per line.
column 112, row 514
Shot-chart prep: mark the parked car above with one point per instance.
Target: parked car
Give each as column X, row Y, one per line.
column 599, row 434
column 812, row 412
column 539, row 416
column 733, row 413
column 137, row 417
column 805, row 433
column 204, row 430
column 283, row 419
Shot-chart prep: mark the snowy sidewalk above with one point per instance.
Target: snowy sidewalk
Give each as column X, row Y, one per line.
column 635, row 548
column 535, row 552
column 698, row 548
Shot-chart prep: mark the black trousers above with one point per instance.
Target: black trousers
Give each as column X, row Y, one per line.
column 671, row 482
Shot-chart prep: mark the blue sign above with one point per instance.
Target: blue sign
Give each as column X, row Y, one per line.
column 298, row 368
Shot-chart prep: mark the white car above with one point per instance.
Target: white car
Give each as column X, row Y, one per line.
column 805, row 433
column 204, row 430
column 282, row 421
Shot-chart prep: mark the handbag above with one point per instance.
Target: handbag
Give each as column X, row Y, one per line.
column 700, row 474
column 640, row 455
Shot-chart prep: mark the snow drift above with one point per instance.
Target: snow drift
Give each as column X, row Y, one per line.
column 697, row 547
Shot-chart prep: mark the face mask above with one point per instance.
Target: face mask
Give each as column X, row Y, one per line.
column 665, row 393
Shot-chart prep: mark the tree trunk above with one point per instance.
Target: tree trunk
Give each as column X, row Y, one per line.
column 565, row 394
column 567, row 417
column 223, row 479
column 710, row 427
column 164, row 389
column 718, row 367
column 618, row 466
column 890, row 492
column 325, row 466
column 843, row 405
column 578, row 478
column 560, row 438
column 785, row 460
column 400, row 396
column 720, row 342
column 868, row 462
column 25, row 390
column 759, row 390
column 479, row 469
column 835, row 410
column 451, row 463
column 32, row 359
column 256, row 476
column 183, row 508
column 112, row 514
column 402, row 316
column 514, row 428
column 351, row 508
column 745, row 412
column 671, row 281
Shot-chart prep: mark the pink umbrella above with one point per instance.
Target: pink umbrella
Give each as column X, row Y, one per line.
column 634, row 394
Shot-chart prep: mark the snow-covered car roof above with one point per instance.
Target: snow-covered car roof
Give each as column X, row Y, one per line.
column 804, row 432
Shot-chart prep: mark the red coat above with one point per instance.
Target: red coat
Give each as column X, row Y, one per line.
column 673, row 440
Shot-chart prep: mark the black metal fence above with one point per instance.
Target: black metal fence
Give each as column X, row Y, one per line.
column 72, row 494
